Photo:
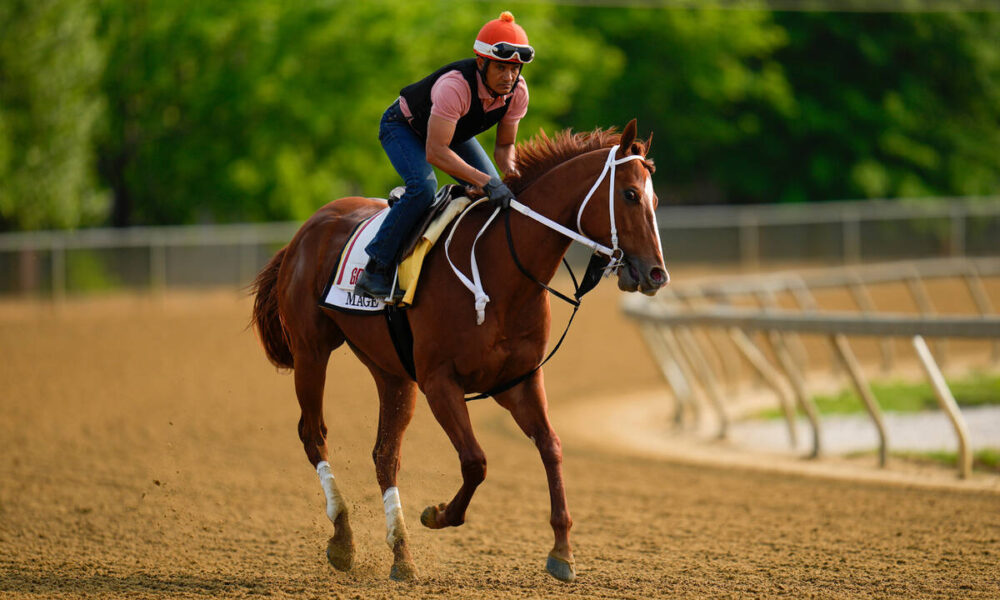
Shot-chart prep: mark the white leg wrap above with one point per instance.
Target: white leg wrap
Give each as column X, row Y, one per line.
column 395, row 528
column 334, row 503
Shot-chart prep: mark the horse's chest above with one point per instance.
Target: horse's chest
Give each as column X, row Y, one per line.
column 502, row 356
column 510, row 343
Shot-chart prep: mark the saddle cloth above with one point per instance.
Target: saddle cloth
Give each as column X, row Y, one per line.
column 339, row 293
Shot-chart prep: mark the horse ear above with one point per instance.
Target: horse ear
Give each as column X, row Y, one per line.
column 628, row 136
column 649, row 144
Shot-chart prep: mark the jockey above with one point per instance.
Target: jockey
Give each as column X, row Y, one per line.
column 434, row 122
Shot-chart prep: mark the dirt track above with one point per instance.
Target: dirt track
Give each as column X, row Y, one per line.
column 149, row 451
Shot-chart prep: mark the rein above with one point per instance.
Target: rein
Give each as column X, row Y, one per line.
column 614, row 254
column 590, row 280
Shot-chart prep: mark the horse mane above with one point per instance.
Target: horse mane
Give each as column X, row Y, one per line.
column 538, row 155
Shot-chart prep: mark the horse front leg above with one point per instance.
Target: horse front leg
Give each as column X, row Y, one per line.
column 447, row 403
column 528, row 406
column 397, row 401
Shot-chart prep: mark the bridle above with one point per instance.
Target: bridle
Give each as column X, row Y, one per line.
column 597, row 266
column 616, row 256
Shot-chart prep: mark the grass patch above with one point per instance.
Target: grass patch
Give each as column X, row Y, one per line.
column 986, row 460
column 978, row 389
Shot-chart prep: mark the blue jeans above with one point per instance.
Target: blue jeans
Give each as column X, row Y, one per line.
column 406, row 151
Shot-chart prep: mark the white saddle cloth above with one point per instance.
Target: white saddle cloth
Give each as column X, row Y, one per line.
column 339, row 292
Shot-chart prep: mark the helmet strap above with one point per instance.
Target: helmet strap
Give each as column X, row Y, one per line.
column 486, row 81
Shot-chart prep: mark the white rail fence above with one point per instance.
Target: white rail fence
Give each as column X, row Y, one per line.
column 155, row 258
column 693, row 330
column 55, row 263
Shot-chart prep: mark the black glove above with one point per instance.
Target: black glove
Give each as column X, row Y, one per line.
column 498, row 193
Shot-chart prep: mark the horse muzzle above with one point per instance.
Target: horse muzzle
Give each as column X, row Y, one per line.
column 637, row 275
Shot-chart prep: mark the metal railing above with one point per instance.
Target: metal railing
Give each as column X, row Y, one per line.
column 848, row 232
column 55, row 263
column 690, row 324
column 154, row 258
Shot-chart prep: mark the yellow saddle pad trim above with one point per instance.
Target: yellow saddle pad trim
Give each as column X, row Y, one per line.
column 409, row 269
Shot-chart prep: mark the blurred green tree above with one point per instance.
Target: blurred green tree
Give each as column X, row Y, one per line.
column 798, row 106
column 887, row 105
column 260, row 110
column 50, row 104
column 700, row 80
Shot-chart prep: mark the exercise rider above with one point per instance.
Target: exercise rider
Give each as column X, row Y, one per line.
column 434, row 122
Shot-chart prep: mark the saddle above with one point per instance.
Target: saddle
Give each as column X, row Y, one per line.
column 339, row 293
column 441, row 201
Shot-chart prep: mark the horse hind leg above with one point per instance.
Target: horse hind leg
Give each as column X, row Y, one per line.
column 397, row 401
column 310, row 379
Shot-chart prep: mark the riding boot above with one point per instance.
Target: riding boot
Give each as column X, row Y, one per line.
column 375, row 281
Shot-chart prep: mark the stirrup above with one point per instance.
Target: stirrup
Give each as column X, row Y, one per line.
column 361, row 286
column 371, row 270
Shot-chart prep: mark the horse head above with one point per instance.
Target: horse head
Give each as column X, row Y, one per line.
column 632, row 208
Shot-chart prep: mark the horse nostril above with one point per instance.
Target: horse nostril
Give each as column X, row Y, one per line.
column 658, row 276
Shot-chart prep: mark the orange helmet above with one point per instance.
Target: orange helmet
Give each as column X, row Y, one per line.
column 504, row 40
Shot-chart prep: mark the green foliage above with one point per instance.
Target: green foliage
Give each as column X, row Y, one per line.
column 798, row 106
column 887, row 105
column 50, row 64
column 260, row 110
column 699, row 80
column 265, row 111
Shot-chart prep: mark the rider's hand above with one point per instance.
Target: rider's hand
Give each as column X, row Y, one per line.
column 498, row 192
column 474, row 192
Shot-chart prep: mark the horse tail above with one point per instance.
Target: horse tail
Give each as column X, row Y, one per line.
column 265, row 314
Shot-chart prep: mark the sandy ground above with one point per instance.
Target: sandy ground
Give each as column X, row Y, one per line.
column 148, row 450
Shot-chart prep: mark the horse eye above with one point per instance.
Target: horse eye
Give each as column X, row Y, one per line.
column 631, row 196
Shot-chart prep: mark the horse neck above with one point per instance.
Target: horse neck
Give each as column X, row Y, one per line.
column 557, row 195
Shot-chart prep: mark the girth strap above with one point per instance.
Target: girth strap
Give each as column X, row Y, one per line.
column 402, row 338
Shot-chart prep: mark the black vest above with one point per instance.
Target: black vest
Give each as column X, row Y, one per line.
column 476, row 121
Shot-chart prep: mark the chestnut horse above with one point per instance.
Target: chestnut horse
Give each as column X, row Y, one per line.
column 453, row 355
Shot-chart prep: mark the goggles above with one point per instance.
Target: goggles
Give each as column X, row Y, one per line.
column 504, row 51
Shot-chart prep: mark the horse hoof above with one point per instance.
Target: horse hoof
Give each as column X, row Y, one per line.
column 429, row 518
column 403, row 571
column 560, row 569
column 340, row 554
